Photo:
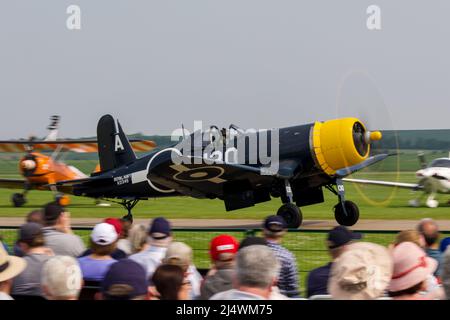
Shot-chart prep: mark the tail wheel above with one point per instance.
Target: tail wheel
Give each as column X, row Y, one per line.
column 18, row 199
column 348, row 217
column 291, row 214
column 63, row 200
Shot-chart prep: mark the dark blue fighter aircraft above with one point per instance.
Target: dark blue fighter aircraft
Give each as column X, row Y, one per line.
column 308, row 158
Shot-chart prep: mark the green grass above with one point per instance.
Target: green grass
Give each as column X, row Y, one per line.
column 375, row 203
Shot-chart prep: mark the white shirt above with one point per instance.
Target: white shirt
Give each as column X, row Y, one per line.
column 5, row 296
column 150, row 259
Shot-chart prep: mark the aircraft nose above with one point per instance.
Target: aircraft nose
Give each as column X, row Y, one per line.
column 28, row 164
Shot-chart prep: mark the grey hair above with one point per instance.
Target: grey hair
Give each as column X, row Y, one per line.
column 62, row 277
column 256, row 266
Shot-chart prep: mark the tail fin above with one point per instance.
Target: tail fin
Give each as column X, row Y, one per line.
column 422, row 160
column 114, row 149
column 53, row 128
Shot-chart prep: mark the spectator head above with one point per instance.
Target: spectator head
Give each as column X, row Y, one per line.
column 36, row 216
column 138, row 238
column 274, row 227
column 160, row 232
column 223, row 250
column 61, row 278
column 10, row 267
column 430, row 231
column 251, row 240
column 54, row 214
column 411, row 268
column 170, row 282
column 103, row 239
column 117, row 224
column 413, row 236
column 30, row 236
column 125, row 280
column 444, row 244
column 179, row 254
column 338, row 239
column 362, row 272
column 256, row 267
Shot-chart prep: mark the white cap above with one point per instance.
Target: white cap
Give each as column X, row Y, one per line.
column 104, row 234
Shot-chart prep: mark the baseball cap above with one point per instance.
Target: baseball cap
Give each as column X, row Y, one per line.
column 340, row 235
column 104, row 234
column 178, row 253
column 52, row 211
column 125, row 272
column 29, row 231
column 411, row 266
column 362, row 272
column 274, row 224
column 251, row 241
column 160, row 228
column 222, row 244
column 115, row 223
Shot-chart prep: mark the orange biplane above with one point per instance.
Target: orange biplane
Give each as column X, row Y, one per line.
column 41, row 171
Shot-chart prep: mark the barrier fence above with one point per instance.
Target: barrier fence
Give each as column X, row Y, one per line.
column 308, row 246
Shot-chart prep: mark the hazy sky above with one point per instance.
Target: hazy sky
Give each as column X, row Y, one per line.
column 255, row 63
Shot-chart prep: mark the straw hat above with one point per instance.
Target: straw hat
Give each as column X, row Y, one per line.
column 411, row 266
column 10, row 266
column 362, row 272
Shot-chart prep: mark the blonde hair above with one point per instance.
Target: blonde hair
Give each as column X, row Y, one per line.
column 408, row 236
column 138, row 237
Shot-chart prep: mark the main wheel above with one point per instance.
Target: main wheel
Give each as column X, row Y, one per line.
column 291, row 214
column 18, row 199
column 349, row 217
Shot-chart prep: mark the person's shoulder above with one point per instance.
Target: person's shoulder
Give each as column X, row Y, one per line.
column 224, row 295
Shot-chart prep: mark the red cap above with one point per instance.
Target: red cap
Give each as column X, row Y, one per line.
column 223, row 244
column 115, row 223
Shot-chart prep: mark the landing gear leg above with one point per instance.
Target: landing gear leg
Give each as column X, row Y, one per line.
column 346, row 212
column 289, row 211
column 129, row 205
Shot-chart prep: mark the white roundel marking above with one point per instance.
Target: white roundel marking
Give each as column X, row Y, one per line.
column 148, row 166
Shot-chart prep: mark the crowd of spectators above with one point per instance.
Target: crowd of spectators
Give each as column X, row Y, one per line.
column 136, row 262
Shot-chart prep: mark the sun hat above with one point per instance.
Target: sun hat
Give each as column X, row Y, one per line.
column 10, row 266
column 222, row 244
column 104, row 234
column 362, row 272
column 411, row 266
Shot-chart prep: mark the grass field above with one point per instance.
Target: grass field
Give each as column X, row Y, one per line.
column 375, row 203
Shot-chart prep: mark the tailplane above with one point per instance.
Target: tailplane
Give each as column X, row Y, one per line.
column 114, row 149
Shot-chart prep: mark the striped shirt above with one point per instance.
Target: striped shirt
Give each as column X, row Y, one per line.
column 288, row 276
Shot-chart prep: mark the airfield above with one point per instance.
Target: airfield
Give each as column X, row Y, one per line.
column 381, row 208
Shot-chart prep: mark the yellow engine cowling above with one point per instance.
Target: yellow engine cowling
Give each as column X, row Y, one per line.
column 341, row 143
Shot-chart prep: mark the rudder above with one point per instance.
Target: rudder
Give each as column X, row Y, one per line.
column 114, row 149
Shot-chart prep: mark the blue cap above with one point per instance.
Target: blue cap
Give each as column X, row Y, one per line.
column 444, row 244
column 125, row 272
column 160, row 228
column 340, row 235
column 274, row 223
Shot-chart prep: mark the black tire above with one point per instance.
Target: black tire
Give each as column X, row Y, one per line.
column 291, row 214
column 18, row 199
column 348, row 219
